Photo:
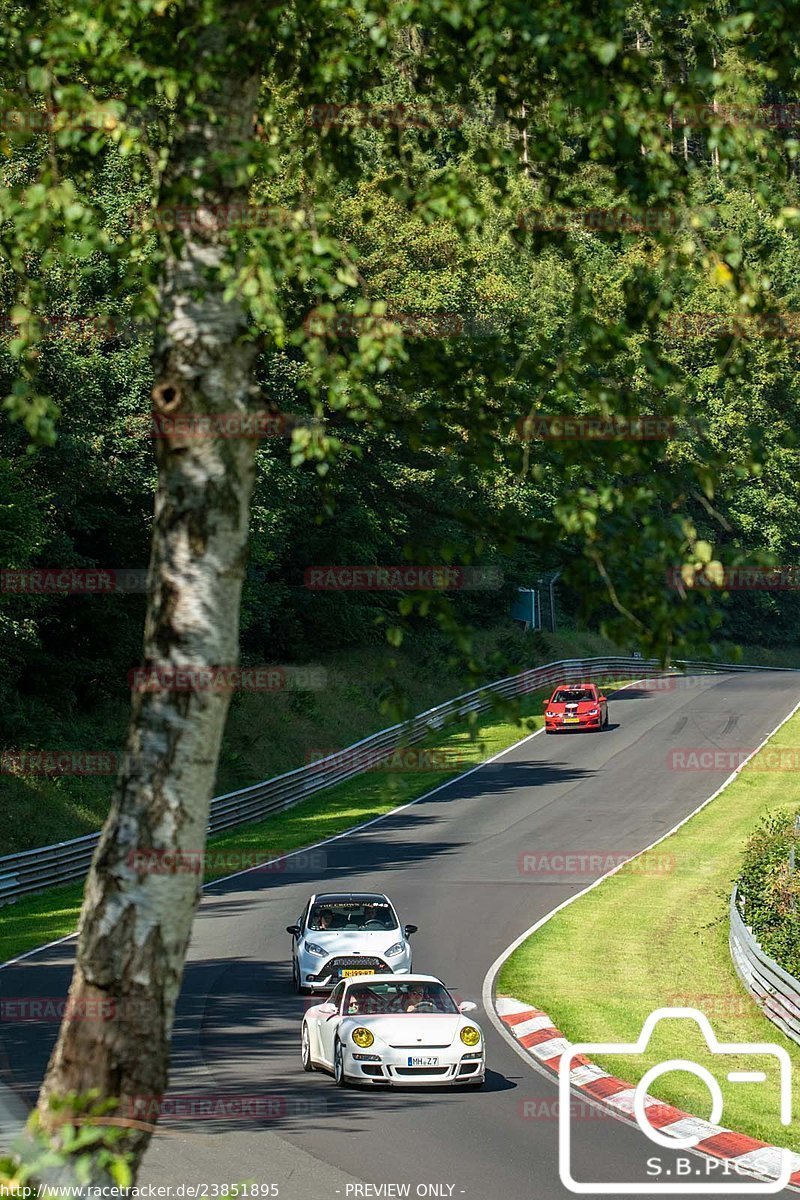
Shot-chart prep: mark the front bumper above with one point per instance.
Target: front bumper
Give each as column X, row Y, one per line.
column 556, row 726
column 324, row 977
column 392, row 1069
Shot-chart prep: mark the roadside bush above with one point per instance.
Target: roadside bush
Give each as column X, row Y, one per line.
column 771, row 889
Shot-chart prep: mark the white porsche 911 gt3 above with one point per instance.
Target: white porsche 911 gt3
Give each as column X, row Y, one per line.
column 400, row 1029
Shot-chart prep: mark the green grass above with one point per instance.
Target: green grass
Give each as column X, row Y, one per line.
column 656, row 934
column 267, row 734
column 767, row 656
column 37, row 810
column 38, row 919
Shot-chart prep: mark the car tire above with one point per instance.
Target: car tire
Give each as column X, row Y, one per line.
column 339, row 1077
column 305, row 1049
column 298, row 987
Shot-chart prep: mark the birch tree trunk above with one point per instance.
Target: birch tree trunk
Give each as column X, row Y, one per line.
column 136, row 922
column 715, row 108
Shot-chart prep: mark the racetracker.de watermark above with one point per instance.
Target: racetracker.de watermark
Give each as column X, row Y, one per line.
column 406, row 759
column 733, row 325
column 593, row 862
column 705, row 758
column 364, row 115
column 597, row 220
column 152, row 861
column 671, row 682
column 57, row 120
column 401, row 578
column 410, row 324
column 227, row 679
column 548, row 1108
column 555, row 427
column 16, row 1010
column 73, row 581
column 207, row 426
column 208, row 218
column 58, row 762
column 227, row 1106
column 714, row 1004
column 737, row 579
column 71, row 327
column 764, row 116
column 739, row 1006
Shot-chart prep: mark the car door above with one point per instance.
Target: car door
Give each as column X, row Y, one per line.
column 328, row 1024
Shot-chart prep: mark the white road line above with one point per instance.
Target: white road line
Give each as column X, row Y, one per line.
column 326, row 841
column 487, row 994
column 335, row 838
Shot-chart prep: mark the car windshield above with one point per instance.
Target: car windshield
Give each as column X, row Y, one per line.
column 572, row 695
column 389, row 998
column 365, row 915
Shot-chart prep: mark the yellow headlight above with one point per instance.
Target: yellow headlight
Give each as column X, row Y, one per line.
column 362, row 1037
column 470, row 1036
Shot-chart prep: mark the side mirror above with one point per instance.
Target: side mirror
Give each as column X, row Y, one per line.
column 327, row 1009
column 409, row 929
column 294, row 930
column 467, row 1006
column 601, row 699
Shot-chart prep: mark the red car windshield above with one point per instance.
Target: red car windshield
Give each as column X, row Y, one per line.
column 573, row 695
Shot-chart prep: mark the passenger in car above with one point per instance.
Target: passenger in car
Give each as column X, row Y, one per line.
column 364, row 1002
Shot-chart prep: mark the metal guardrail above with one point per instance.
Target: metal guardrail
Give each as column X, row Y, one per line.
column 716, row 667
column 775, row 991
column 48, row 866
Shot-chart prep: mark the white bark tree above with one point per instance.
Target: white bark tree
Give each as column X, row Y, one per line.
column 136, row 923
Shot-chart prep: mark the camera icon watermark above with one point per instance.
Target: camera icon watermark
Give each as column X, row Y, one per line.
column 694, row 1176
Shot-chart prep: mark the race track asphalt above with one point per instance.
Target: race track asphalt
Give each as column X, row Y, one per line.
column 451, row 864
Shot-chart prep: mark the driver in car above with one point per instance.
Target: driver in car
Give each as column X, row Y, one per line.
column 372, row 916
column 414, row 997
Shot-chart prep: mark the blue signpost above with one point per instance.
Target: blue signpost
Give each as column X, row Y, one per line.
column 527, row 608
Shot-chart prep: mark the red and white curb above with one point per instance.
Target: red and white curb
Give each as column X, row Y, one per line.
column 535, row 1033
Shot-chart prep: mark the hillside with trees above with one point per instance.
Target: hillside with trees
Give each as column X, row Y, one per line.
column 418, row 238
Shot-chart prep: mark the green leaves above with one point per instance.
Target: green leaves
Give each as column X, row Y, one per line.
column 606, row 52
column 412, row 318
column 80, row 1142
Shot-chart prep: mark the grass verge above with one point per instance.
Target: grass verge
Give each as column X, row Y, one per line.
column 656, row 934
column 268, row 733
column 54, row 914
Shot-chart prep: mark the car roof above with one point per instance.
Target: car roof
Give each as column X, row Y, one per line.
column 572, row 687
column 357, row 897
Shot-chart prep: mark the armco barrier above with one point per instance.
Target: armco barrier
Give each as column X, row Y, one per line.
column 47, row 866
column 775, row 991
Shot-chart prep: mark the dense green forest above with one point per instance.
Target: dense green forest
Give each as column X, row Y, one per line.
column 483, row 289
column 446, row 213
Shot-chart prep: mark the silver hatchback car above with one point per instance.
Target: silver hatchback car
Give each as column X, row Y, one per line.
column 341, row 934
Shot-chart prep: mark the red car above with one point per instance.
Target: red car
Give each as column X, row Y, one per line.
column 575, row 706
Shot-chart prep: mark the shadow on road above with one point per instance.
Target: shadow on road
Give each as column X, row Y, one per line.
column 239, row 1017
